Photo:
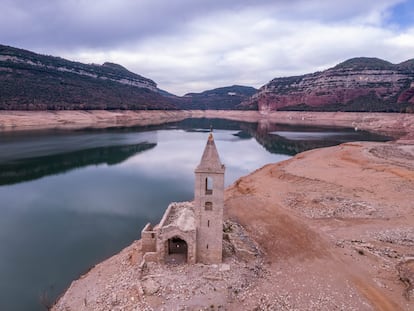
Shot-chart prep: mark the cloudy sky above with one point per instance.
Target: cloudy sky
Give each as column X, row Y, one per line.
column 194, row 45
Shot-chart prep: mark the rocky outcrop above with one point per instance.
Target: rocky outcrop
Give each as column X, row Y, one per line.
column 358, row 84
column 30, row 81
column 407, row 95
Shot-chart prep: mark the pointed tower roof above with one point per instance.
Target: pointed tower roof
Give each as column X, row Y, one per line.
column 210, row 160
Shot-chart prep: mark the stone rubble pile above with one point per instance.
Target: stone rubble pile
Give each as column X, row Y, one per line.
column 400, row 236
column 178, row 287
column 333, row 206
column 363, row 247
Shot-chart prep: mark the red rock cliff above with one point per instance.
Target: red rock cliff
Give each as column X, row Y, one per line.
column 356, row 84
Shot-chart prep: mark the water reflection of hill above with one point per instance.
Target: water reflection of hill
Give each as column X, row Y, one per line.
column 277, row 144
column 270, row 135
column 290, row 140
column 27, row 158
column 217, row 124
column 273, row 138
column 37, row 167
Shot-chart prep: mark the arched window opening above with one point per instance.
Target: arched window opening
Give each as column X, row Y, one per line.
column 208, row 223
column 209, row 185
column 208, row 206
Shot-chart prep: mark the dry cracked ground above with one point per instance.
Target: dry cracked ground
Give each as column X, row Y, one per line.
column 330, row 229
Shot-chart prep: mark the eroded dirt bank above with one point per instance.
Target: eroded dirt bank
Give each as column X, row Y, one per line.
column 394, row 124
column 77, row 119
column 330, row 229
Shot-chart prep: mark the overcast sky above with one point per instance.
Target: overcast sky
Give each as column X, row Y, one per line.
column 194, row 45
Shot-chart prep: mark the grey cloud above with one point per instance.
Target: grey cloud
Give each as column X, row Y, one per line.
column 72, row 24
column 192, row 45
column 94, row 24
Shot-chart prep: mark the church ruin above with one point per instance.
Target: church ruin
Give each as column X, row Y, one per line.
column 192, row 232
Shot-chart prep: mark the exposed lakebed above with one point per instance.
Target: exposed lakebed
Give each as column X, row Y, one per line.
column 69, row 199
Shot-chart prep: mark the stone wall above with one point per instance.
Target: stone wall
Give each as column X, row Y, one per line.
column 148, row 239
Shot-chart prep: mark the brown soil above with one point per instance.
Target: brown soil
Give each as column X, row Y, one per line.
column 345, row 211
column 77, row 119
column 333, row 229
column 394, row 124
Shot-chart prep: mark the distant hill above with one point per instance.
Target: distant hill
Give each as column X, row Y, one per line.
column 223, row 98
column 30, row 81
column 358, row 84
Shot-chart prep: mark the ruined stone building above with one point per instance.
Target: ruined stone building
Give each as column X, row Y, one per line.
column 192, row 231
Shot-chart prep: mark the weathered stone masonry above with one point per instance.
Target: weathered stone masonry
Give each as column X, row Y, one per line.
column 192, row 231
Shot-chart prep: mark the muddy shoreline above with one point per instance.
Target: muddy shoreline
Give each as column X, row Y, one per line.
column 399, row 126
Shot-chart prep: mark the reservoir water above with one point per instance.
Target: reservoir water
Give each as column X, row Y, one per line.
column 69, row 199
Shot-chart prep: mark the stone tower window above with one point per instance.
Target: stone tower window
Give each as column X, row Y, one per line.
column 208, row 206
column 209, row 185
column 208, row 223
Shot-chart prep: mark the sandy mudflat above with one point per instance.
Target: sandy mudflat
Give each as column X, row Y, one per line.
column 393, row 124
column 332, row 229
column 77, row 119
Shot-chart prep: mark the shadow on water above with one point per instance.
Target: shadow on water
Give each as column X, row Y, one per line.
column 284, row 138
column 34, row 168
column 290, row 140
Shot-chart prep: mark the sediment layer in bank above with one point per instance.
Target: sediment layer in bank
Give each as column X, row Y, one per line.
column 393, row 124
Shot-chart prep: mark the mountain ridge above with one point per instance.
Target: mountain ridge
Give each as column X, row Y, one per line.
column 112, row 70
column 31, row 81
column 222, row 98
column 357, row 84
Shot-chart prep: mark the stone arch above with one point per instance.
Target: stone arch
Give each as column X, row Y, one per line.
column 176, row 250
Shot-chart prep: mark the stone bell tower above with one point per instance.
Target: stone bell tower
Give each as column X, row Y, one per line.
column 209, row 204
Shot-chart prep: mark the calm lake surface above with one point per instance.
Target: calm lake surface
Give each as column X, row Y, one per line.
column 69, row 199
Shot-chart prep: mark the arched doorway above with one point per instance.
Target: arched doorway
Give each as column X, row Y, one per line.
column 177, row 251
